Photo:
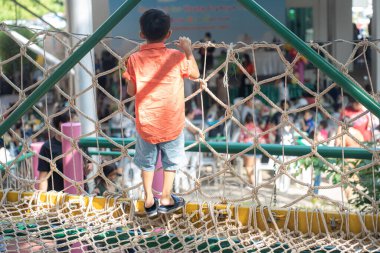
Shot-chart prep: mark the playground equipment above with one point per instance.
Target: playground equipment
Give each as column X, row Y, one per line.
column 224, row 218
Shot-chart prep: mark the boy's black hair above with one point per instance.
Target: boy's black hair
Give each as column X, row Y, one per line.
column 108, row 169
column 248, row 118
column 323, row 123
column 62, row 118
column 155, row 24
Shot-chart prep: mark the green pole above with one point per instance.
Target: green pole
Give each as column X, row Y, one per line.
column 68, row 64
column 18, row 160
column 233, row 148
column 349, row 86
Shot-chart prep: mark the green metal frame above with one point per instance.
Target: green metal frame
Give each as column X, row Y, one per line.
column 233, row 148
column 348, row 85
column 19, row 159
column 68, row 64
column 274, row 149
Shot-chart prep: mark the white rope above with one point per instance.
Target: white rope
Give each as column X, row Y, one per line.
column 264, row 226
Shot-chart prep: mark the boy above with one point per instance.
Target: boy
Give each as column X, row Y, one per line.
column 155, row 77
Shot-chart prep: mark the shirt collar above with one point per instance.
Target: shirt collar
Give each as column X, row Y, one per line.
column 152, row 46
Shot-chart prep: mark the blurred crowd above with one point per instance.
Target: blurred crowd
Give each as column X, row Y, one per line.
column 284, row 115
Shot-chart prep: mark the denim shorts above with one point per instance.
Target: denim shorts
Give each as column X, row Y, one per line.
column 172, row 154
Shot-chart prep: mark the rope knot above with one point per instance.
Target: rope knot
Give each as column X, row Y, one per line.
column 256, row 88
column 203, row 84
column 23, row 50
column 229, row 113
column 98, row 126
column 318, row 101
column 197, row 184
column 256, row 141
column 282, row 169
column 230, row 52
column 344, row 179
column 120, row 107
column 285, row 117
column 201, row 137
column 229, row 58
column 345, row 125
column 343, row 69
column 72, row 102
column 74, row 144
column 53, row 166
column 310, row 191
column 124, row 152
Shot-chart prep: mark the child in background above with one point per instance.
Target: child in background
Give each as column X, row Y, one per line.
column 155, row 77
column 112, row 173
column 307, row 122
column 246, row 86
column 248, row 137
column 322, row 133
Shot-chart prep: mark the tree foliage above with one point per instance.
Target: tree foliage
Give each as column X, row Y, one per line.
column 11, row 11
column 8, row 49
column 367, row 180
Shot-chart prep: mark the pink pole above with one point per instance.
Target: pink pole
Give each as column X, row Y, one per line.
column 36, row 147
column 72, row 161
column 158, row 179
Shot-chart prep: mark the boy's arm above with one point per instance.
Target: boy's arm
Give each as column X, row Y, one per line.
column 194, row 71
column 43, row 185
column 128, row 75
column 185, row 44
column 131, row 88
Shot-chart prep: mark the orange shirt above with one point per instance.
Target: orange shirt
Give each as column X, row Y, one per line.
column 158, row 74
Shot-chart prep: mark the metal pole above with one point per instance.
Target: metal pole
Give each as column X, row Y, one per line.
column 51, row 59
column 70, row 62
column 349, row 86
column 80, row 22
column 233, row 148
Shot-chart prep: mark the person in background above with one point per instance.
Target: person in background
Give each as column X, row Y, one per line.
column 362, row 124
column 246, row 87
column 182, row 182
column 5, row 155
column 322, row 133
column 206, row 54
column 51, row 149
column 307, row 123
column 349, row 141
column 112, row 173
column 247, row 136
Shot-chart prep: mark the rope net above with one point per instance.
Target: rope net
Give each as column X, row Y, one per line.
column 246, row 201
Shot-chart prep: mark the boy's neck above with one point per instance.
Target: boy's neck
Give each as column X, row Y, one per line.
column 154, row 42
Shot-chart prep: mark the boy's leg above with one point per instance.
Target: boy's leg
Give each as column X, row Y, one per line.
column 147, row 178
column 146, row 158
column 166, row 198
column 173, row 158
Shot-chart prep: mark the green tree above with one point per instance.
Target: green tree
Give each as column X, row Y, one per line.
column 367, row 180
column 11, row 11
column 9, row 48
